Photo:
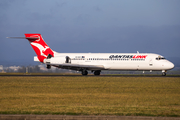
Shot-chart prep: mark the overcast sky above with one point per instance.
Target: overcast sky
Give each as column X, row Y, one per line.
column 112, row 26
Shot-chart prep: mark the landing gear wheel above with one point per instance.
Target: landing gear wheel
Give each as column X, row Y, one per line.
column 163, row 74
column 97, row 72
column 84, row 72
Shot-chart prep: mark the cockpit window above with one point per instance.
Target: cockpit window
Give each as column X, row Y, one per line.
column 160, row 58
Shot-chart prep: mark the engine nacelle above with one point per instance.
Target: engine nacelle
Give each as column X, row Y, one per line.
column 57, row 60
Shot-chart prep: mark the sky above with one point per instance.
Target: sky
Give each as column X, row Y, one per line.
column 96, row 26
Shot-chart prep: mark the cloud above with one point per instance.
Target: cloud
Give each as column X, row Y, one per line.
column 91, row 26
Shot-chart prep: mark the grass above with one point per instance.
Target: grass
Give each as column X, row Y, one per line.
column 135, row 96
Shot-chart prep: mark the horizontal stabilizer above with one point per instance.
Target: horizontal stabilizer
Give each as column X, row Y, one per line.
column 40, row 47
column 29, row 38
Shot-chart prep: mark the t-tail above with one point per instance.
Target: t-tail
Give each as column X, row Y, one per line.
column 42, row 50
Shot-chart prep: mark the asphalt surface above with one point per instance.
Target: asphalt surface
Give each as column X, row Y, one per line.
column 81, row 117
column 46, row 75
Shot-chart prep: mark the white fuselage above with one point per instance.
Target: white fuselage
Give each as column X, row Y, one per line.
column 112, row 61
column 95, row 61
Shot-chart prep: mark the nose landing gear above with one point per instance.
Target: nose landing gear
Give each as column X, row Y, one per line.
column 163, row 73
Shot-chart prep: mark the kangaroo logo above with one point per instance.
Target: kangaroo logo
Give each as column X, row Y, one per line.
column 41, row 49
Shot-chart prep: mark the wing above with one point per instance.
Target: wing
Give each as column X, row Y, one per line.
column 78, row 66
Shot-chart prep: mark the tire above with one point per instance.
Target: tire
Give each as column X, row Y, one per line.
column 84, row 72
column 163, row 74
column 97, row 72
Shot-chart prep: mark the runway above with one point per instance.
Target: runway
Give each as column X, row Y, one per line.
column 81, row 117
column 68, row 75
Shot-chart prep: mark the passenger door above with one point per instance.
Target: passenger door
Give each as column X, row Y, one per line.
column 150, row 62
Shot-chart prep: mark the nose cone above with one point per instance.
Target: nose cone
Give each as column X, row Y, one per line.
column 170, row 65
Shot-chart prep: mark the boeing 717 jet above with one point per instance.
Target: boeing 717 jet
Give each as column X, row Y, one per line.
column 96, row 62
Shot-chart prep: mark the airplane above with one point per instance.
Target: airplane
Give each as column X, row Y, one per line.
column 96, row 62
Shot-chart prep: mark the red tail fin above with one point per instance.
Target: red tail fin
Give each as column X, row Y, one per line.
column 40, row 47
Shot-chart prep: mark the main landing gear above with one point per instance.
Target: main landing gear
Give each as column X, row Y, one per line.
column 97, row 72
column 84, row 72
